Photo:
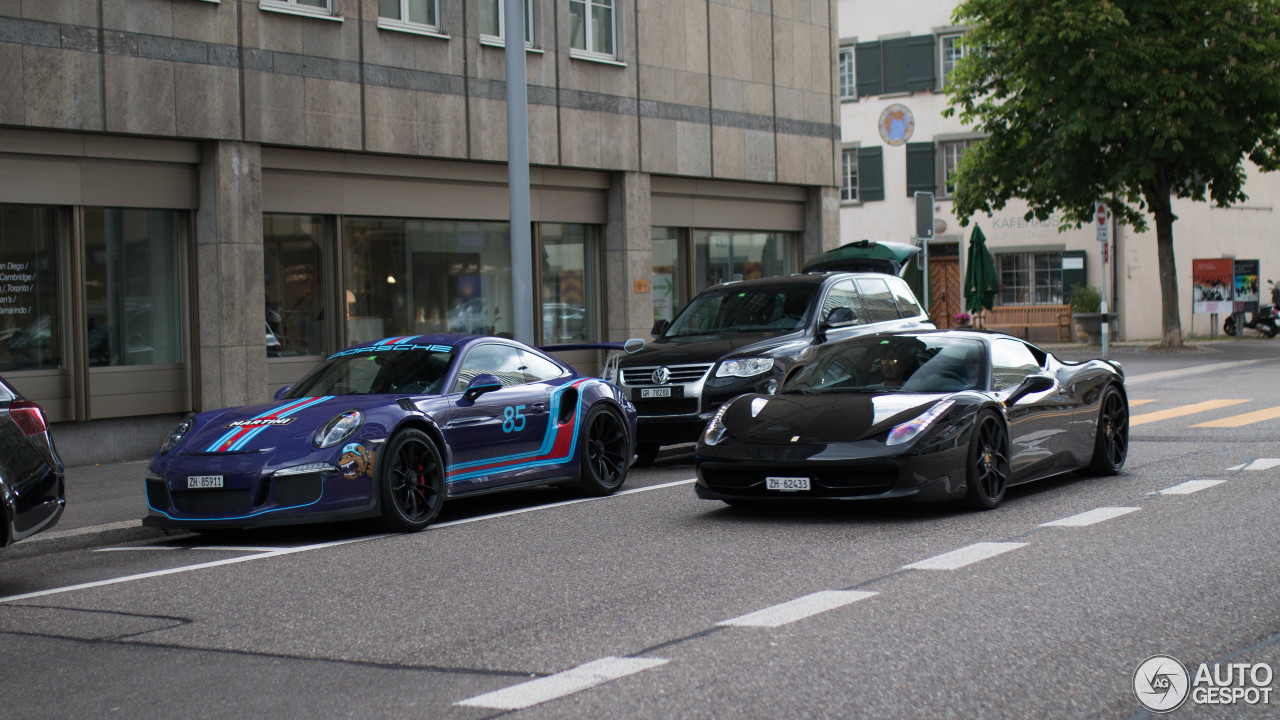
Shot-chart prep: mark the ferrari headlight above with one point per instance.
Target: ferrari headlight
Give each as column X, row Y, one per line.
column 913, row 427
column 716, row 429
column 176, row 435
column 744, row 367
column 338, row 429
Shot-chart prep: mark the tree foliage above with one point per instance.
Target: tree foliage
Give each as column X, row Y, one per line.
column 1131, row 101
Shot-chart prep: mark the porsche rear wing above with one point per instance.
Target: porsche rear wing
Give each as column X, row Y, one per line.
column 615, row 349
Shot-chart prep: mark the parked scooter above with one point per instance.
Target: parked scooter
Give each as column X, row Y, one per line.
column 1266, row 319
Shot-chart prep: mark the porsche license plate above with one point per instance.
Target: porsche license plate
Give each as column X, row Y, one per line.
column 655, row 392
column 195, row 482
column 786, row 484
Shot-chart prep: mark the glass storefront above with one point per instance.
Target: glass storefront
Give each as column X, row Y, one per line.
column 567, row 284
column 723, row 255
column 30, row 312
column 667, row 283
column 294, row 276
column 412, row 277
column 133, row 300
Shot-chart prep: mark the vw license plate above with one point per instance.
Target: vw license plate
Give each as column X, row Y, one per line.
column 655, row 392
column 786, row 484
column 195, row 482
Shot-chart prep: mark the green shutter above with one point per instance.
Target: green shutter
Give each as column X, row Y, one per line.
column 921, row 168
column 895, row 65
column 866, row 67
column 870, row 173
column 920, row 62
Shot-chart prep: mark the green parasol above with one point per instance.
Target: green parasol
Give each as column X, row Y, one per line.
column 980, row 281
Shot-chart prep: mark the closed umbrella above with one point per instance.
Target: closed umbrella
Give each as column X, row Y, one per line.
column 980, row 281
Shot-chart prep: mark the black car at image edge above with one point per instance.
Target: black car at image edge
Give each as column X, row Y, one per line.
column 745, row 336
column 32, row 485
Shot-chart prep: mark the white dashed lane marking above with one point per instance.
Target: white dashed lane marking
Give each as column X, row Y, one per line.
column 1189, row 487
column 1091, row 518
column 1263, row 464
column 798, row 609
column 967, row 555
column 534, row 692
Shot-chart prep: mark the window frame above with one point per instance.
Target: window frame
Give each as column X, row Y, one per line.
column 588, row 35
column 1028, row 271
column 294, row 7
column 500, row 40
column 847, row 74
column 849, row 176
column 943, row 72
column 947, row 165
column 403, row 25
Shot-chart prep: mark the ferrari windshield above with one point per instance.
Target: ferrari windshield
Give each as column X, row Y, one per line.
column 899, row 363
column 371, row 371
column 746, row 309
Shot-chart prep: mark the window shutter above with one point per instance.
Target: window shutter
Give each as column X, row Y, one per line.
column 895, row 65
column 920, row 168
column 871, row 173
column 920, row 62
column 866, row 65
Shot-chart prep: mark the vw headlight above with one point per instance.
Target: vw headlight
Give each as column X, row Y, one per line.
column 338, row 429
column 716, row 429
column 913, row 427
column 744, row 367
column 176, row 435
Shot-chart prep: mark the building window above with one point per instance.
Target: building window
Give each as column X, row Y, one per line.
column 848, row 81
column 724, row 255
column 493, row 21
column 294, row 281
column 1030, row 278
column 413, row 14
column 950, row 50
column 849, row 183
column 133, row 294
column 317, row 8
column 30, row 312
column 591, row 27
column 951, row 154
column 667, row 282
column 413, row 277
column 568, row 283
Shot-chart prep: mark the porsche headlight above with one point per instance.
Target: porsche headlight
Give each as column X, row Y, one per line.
column 744, row 367
column 338, row 429
column 176, row 435
column 716, row 429
column 913, row 427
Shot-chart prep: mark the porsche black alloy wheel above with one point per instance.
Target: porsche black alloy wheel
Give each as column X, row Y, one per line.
column 1111, row 444
column 412, row 481
column 606, row 452
column 987, row 473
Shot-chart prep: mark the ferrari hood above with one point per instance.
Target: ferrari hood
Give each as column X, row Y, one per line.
column 251, row 428
column 821, row 419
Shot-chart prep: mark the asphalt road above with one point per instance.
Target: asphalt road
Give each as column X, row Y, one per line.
column 654, row 604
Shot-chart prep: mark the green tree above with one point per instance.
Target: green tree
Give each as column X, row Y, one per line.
column 1135, row 102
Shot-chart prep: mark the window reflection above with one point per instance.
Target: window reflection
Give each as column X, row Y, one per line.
column 293, row 278
column 30, row 314
column 567, row 284
column 723, row 256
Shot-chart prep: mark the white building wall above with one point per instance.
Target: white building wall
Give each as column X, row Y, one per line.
column 1246, row 231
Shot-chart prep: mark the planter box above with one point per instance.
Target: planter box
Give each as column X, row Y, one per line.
column 1090, row 325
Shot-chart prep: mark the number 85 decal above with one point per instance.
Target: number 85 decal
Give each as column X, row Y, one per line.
column 512, row 419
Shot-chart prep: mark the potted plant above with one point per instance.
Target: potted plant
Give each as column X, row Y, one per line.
column 1086, row 303
column 963, row 319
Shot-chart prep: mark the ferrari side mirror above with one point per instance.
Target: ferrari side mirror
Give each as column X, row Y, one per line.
column 1033, row 384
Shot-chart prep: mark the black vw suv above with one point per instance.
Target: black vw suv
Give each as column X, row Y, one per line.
column 744, row 337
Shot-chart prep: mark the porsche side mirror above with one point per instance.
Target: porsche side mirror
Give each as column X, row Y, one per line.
column 660, row 327
column 280, row 393
column 480, row 385
column 1033, row 384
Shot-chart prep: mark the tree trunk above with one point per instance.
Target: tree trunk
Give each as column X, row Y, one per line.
column 1159, row 198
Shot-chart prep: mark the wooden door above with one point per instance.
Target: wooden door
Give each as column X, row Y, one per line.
column 945, row 299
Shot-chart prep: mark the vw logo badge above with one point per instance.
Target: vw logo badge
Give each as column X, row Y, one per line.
column 661, row 376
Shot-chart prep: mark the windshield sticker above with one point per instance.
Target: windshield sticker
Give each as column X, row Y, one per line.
column 399, row 346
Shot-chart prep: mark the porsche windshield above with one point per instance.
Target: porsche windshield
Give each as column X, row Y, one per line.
column 370, row 371
column 901, row 363
column 776, row 308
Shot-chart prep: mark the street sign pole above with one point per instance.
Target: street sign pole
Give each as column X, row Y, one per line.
column 924, row 232
column 1100, row 210
column 522, row 291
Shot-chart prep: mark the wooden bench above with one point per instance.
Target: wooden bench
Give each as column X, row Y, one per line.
column 1019, row 319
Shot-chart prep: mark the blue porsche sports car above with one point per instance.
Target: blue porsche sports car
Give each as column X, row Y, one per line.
column 389, row 429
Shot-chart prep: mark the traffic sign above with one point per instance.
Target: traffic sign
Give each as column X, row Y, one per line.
column 1100, row 212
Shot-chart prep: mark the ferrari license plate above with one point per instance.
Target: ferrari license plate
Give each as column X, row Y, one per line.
column 655, row 392
column 786, row 484
column 196, row 482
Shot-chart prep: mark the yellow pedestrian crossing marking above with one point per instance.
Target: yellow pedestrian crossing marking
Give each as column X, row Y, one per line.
column 1181, row 411
column 1240, row 420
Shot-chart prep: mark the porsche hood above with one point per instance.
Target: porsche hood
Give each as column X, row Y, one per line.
column 821, row 419
column 252, row 428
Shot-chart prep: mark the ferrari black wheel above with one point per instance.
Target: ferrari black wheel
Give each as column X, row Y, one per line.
column 1111, row 444
column 606, row 453
column 647, row 453
column 987, row 470
column 1229, row 326
column 412, row 481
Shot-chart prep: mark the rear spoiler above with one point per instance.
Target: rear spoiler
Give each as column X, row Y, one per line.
column 615, row 349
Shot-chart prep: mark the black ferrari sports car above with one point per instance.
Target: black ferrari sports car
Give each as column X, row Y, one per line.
column 932, row 415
